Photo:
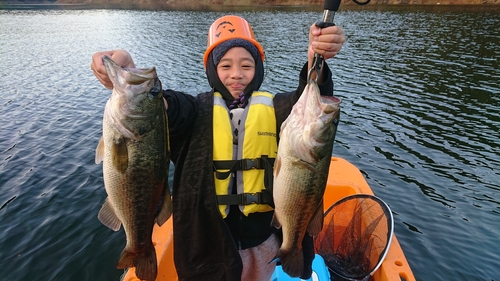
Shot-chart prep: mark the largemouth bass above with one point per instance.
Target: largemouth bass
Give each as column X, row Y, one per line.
column 134, row 149
column 301, row 172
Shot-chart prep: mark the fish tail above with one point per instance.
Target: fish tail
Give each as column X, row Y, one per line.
column 292, row 262
column 144, row 263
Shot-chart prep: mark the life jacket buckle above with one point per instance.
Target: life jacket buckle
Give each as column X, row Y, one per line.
column 250, row 198
column 250, row 163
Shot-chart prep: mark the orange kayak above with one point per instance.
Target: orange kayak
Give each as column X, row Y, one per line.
column 344, row 179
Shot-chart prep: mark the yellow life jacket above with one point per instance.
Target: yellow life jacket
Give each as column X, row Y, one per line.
column 252, row 159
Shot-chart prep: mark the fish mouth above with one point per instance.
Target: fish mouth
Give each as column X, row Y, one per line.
column 329, row 104
column 331, row 99
column 120, row 76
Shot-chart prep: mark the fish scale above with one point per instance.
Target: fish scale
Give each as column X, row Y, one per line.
column 301, row 172
column 135, row 153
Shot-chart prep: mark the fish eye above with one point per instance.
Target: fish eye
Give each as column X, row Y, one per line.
column 154, row 91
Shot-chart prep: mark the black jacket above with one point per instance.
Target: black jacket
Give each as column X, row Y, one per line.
column 204, row 248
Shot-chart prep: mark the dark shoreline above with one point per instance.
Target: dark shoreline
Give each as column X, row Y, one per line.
column 158, row 7
column 240, row 8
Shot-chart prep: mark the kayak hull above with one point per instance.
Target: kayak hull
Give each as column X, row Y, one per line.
column 344, row 179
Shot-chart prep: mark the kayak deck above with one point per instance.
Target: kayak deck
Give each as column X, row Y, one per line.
column 344, row 179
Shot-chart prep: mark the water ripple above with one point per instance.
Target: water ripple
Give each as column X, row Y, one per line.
column 420, row 118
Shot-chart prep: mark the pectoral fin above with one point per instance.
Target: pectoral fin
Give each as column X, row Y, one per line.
column 108, row 217
column 275, row 222
column 166, row 209
column 99, row 151
column 119, row 154
column 316, row 223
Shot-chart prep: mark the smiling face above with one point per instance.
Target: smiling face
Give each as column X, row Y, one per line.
column 236, row 70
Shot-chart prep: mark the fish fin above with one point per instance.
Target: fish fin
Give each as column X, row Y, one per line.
column 144, row 262
column 108, row 217
column 275, row 222
column 166, row 209
column 292, row 263
column 274, row 260
column 127, row 259
column 167, row 135
column 119, row 154
column 277, row 166
column 316, row 223
column 99, row 151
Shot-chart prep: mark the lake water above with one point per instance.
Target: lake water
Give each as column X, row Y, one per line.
column 421, row 118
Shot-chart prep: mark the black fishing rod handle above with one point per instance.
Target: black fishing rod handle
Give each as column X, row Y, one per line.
column 323, row 24
column 332, row 5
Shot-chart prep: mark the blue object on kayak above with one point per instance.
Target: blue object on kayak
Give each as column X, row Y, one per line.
column 320, row 272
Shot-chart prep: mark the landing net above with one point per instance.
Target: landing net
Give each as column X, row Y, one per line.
column 357, row 232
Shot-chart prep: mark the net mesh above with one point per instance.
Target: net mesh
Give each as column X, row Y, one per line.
column 356, row 235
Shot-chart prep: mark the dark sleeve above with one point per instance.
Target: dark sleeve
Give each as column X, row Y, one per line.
column 182, row 109
column 283, row 102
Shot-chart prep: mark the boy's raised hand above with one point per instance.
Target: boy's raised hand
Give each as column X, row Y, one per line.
column 121, row 57
column 325, row 41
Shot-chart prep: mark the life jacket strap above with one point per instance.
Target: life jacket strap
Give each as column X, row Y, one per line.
column 232, row 166
column 263, row 197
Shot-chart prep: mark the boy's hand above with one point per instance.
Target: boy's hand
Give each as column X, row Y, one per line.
column 120, row 57
column 325, row 41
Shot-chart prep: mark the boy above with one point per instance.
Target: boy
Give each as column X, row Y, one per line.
column 223, row 145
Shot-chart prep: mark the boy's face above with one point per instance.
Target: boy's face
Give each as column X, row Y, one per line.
column 236, row 70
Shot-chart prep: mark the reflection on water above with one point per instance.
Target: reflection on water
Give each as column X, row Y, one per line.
column 421, row 116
